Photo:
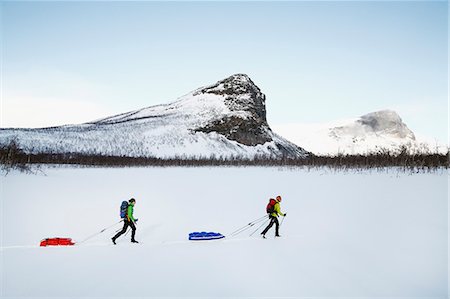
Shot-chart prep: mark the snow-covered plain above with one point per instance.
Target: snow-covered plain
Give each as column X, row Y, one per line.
column 345, row 235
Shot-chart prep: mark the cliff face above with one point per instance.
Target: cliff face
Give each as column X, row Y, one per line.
column 240, row 95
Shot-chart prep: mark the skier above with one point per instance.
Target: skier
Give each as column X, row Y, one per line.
column 273, row 209
column 130, row 221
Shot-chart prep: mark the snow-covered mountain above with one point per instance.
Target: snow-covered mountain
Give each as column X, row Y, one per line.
column 226, row 119
column 381, row 130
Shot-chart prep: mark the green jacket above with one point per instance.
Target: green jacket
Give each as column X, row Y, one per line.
column 130, row 213
column 277, row 210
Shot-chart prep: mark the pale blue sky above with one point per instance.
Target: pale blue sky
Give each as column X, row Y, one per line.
column 66, row 62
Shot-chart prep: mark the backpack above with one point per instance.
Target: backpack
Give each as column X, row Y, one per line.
column 271, row 206
column 123, row 209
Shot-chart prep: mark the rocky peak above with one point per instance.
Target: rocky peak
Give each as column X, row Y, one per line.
column 388, row 122
column 240, row 95
column 235, row 84
column 381, row 123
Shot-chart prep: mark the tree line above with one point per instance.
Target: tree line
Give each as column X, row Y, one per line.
column 13, row 157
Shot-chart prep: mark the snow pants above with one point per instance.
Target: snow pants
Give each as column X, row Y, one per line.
column 127, row 223
column 273, row 220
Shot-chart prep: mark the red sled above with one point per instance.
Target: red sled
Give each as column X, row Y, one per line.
column 57, row 242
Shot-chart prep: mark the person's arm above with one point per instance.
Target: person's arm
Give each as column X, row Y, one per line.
column 130, row 213
column 277, row 209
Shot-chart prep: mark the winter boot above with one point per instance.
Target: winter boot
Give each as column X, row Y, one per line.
column 114, row 241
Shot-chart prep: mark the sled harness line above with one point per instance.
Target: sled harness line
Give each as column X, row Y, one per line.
column 103, row 230
column 250, row 224
column 263, row 223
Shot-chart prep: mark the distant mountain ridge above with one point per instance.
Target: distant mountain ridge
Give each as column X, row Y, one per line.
column 226, row 119
column 370, row 133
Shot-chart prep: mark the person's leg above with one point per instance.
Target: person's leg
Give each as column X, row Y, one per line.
column 124, row 229
column 277, row 227
column 133, row 231
column 268, row 226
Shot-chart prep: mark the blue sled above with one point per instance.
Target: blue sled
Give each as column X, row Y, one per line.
column 199, row 236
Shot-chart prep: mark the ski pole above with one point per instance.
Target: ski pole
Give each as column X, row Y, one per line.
column 259, row 227
column 103, row 230
column 282, row 221
column 247, row 226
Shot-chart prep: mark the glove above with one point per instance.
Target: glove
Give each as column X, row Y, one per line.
column 135, row 220
column 284, row 214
